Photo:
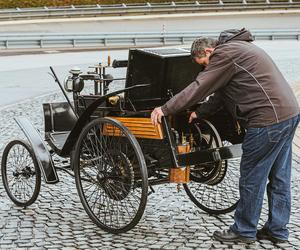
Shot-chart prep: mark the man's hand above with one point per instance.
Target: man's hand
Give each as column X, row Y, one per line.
column 192, row 117
column 156, row 116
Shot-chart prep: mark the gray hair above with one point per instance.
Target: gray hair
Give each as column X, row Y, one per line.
column 199, row 45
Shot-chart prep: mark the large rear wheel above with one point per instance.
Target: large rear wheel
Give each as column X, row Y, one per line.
column 214, row 186
column 111, row 175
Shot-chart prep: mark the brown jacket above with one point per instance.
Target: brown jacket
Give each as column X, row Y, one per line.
column 244, row 79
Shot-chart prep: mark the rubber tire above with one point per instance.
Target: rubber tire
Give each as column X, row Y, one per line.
column 4, row 173
column 143, row 171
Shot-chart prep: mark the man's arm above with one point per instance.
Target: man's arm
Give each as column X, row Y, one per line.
column 211, row 106
column 217, row 74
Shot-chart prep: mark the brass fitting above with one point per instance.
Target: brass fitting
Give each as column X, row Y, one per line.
column 113, row 100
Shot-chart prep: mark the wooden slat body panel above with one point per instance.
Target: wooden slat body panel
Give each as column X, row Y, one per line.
column 140, row 127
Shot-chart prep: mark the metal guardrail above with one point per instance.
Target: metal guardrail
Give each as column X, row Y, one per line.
column 147, row 8
column 84, row 40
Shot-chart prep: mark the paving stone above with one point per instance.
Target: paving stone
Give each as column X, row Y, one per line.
column 57, row 219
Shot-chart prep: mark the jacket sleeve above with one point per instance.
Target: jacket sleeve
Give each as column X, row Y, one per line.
column 211, row 106
column 217, row 74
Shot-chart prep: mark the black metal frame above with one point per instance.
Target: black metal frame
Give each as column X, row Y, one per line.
column 70, row 128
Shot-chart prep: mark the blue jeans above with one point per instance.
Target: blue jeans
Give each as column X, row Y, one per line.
column 267, row 155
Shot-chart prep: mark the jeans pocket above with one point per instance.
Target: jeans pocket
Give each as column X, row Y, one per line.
column 279, row 131
column 251, row 140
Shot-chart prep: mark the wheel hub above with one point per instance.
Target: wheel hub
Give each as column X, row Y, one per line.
column 100, row 177
column 25, row 172
column 117, row 180
column 212, row 173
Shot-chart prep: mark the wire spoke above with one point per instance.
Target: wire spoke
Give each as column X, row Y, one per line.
column 214, row 186
column 20, row 176
column 109, row 164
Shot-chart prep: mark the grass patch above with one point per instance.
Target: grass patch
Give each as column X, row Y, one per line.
column 41, row 3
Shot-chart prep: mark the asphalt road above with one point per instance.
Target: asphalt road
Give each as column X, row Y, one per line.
column 26, row 76
column 276, row 19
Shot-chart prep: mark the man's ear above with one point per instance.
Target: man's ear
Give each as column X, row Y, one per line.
column 209, row 50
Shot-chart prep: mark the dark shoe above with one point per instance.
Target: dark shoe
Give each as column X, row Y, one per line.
column 230, row 236
column 265, row 234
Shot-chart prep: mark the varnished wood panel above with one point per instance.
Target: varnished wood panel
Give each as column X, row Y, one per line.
column 140, row 127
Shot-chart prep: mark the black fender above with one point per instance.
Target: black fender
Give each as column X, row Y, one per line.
column 40, row 150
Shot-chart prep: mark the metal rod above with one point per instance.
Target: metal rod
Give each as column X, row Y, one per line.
column 71, row 174
column 171, row 141
column 65, row 170
column 62, row 89
column 158, row 182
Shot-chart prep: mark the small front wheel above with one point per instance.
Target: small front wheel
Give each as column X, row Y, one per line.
column 21, row 175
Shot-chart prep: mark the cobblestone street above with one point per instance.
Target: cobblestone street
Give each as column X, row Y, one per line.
column 57, row 219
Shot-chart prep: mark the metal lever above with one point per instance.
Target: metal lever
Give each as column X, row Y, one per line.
column 62, row 89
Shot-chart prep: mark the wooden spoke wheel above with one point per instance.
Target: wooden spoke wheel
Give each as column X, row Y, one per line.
column 21, row 175
column 214, row 186
column 111, row 175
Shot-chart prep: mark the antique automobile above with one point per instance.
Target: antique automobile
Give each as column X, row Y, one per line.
column 107, row 142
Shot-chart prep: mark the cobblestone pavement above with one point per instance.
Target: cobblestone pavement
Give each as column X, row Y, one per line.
column 57, row 219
